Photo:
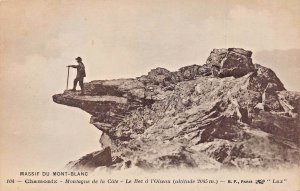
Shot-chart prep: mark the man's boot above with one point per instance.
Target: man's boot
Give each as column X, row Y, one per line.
column 82, row 91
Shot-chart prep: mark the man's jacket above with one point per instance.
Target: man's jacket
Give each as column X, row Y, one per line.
column 80, row 70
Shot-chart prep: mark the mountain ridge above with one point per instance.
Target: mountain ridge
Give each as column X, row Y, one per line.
column 226, row 113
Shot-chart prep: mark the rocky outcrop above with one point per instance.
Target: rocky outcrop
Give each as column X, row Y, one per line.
column 228, row 112
column 230, row 62
column 92, row 161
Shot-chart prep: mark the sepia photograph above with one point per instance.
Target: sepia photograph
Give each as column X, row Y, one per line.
column 150, row 95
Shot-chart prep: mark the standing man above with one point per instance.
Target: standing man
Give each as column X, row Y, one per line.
column 80, row 74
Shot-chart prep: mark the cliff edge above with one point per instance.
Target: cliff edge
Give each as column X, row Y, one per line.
column 226, row 113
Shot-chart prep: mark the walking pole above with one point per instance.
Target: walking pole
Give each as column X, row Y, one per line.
column 68, row 78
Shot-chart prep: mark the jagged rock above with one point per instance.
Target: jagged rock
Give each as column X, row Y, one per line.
column 160, row 76
column 230, row 62
column 92, row 161
column 226, row 113
column 246, row 53
column 189, row 72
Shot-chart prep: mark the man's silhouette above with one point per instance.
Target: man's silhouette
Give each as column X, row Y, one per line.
column 80, row 74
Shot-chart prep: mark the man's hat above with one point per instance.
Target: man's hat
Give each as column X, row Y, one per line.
column 78, row 59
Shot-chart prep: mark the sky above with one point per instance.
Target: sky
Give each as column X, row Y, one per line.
column 116, row 39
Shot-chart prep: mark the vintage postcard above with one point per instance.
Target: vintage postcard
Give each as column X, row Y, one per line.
column 150, row 95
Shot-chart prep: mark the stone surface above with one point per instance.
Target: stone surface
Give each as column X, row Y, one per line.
column 235, row 62
column 227, row 113
column 92, row 161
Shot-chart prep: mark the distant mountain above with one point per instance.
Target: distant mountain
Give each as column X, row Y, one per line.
column 227, row 113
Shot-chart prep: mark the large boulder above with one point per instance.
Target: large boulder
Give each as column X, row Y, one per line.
column 234, row 62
